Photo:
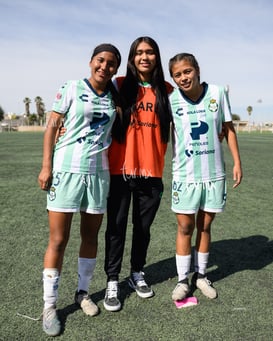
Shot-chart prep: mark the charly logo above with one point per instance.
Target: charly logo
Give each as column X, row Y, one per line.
column 213, row 105
column 197, row 129
column 83, row 97
column 179, row 112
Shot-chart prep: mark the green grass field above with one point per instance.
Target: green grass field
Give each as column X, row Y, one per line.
column 241, row 260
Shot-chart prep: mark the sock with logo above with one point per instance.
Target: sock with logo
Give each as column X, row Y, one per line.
column 51, row 279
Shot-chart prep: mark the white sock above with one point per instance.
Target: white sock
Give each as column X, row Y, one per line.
column 86, row 267
column 50, row 283
column 200, row 262
column 183, row 264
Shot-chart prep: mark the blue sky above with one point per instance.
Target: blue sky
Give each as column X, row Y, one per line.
column 45, row 42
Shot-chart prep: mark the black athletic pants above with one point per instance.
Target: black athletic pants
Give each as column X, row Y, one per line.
column 146, row 194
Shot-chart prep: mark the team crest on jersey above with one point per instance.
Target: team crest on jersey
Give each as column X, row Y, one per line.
column 52, row 194
column 175, row 198
column 213, row 105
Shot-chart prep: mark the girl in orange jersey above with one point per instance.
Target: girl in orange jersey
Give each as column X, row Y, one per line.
column 136, row 166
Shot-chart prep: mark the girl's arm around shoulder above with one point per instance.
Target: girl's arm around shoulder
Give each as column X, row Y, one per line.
column 234, row 149
column 169, row 87
column 117, row 81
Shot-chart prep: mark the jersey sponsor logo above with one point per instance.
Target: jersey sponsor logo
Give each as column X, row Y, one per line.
column 179, row 111
column 199, row 111
column 189, row 152
column 202, row 152
column 81, row 139
column 143, row 124
column 99, row 119
column 141, row 106
column 194, row 144
column 144, row 106
column 197, row 129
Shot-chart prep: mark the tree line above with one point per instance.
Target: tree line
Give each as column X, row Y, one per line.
column 39, row 117
column 30, row 118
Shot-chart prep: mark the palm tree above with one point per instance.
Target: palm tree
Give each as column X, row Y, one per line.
column 249, row 109
column 40, row 108
column 2, row 113
column 27, row 102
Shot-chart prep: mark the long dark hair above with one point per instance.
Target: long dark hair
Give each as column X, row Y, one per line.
column 118, row 128
column 129, row 89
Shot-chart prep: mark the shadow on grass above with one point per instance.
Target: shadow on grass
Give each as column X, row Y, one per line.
column 156, row 273
column 235, row 255
column 161, row 271
column 65, row 312
column 230, row 256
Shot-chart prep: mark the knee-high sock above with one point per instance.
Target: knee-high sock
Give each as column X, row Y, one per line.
column 200, row 262
column 183, row 264
column 86, row 267
column 50, row 283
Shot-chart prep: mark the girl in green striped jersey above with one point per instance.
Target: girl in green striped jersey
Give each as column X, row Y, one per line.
column 75, row 172
column 199, row 111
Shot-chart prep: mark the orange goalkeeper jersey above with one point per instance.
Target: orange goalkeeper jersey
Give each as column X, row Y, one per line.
column 143, row 152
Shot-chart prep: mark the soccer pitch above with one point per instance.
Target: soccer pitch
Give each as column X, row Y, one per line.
column 241, row 259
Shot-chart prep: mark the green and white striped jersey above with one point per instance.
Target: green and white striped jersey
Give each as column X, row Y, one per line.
column 197, row 151
column 88, row 118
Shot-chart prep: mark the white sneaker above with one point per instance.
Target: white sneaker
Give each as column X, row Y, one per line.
column 88, row 306
column 51, row 323
column 180, row 291
column 205, row 286
column 111, row 301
